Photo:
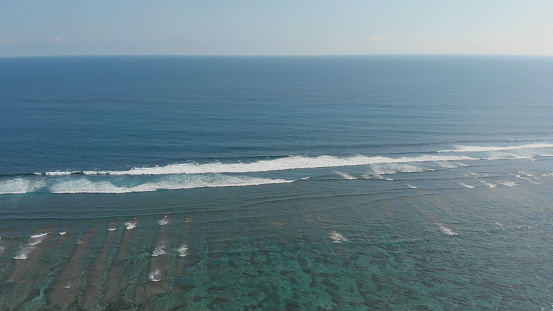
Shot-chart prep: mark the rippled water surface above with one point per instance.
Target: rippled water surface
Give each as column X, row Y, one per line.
column 276, row 183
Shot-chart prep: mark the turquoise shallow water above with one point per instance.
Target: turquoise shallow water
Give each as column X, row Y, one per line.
column 267, row 183
column 311, row 245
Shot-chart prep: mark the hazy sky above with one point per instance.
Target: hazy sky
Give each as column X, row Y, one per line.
column 278, row 27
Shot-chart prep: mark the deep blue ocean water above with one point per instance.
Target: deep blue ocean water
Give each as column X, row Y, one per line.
column 312, row 183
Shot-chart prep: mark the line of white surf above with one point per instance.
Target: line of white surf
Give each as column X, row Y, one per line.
column 461, row 148
column 281, row 164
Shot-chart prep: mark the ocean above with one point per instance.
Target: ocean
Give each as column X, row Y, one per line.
column 276, row 183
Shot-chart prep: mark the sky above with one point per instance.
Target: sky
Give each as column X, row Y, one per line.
column 278, row 27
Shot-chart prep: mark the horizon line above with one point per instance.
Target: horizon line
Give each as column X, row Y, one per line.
column 271, row 55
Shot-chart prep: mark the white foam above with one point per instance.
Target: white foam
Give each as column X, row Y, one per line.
column 34, row 240
column 57, row 173
column 466, row 186
column 287, row 163
column 443, row 164
column 20, row 185
column 158, row 251
column 411, row 186
column 497, row 148
column 129, row 225
column 112, row 229
column 369, row 176
column 345, row 175
column 446, row 230
column 38, row 238
column 62, row 233
column 508, row 183
column 336, row 237
column 83, row 185
column 163, row 221
column 527, row 179
column 495, row 155
column 183, row 250
column 155, row 276
column 487, row 184
column 393, row 168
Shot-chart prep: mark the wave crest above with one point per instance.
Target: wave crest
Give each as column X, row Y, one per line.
column 20, row 185
column 281, row 164
column 83, row 185
column 497, row 148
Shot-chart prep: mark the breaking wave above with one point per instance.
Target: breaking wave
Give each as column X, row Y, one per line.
column 20, row 185
column 172, row 183
column 218, row 174
column 281, row 164
column 498, row 148
column 85, row 185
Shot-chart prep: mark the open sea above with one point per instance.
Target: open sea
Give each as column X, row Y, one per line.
column 276, row 183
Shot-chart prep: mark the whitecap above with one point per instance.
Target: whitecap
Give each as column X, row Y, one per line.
column 155, row 276
column 489, row 185
column 466, row 186
column 158, row 251
column 345, row 175
column 370, row 176
column 446, row 230
column 393, row 168
column 411, row 186
column 508, row 183
column 182, row 250
column 163, row 221
column 443, row 164
column 129, row 225
column 58, row 173
column 336, row 237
